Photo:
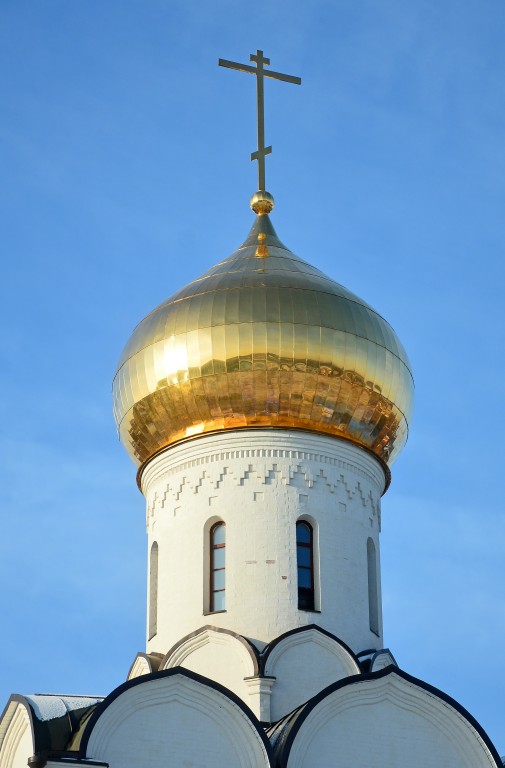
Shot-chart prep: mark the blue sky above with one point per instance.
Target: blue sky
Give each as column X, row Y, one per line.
column 126, row 172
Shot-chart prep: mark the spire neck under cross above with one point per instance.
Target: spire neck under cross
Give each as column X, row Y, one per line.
column 260, row 72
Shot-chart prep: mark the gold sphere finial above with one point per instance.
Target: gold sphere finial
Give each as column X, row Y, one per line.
column 262, row 202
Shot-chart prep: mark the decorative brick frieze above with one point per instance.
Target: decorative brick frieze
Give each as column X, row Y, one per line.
column 297, row 476
column 171, row 463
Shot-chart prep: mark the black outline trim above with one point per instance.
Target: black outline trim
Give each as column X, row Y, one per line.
column 379, row 653
column 295, row 719
column 205, row 681
column 150, row 658
column 250, row 647
column 367, row 652
column 45, row 732
column 19, row 699
column 267, row 650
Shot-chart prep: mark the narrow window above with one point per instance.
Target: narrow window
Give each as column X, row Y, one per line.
column 153, row 591
column 305, row 565
column 373, row 601
column 217, row 567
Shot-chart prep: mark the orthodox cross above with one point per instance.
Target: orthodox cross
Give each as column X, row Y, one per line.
column 260, row 73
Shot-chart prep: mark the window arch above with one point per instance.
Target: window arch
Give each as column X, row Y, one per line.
column 218, row 567
column 153, row 591
column 305, row 565
column 373, row 598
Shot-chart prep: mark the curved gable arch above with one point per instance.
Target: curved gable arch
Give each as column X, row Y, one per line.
column 42, row 724
column 144, row 664
column 154, row 720
column 240, row 645
column 302, row 634
column 218, row 654
column 365, row 715
column 303, row 661
column 16, row 734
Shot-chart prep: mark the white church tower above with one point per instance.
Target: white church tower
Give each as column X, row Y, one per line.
column 263, row 404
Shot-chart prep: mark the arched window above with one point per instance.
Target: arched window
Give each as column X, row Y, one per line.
column 373, row 598
column 153, row 591
column 305, row 565
column 218, row 567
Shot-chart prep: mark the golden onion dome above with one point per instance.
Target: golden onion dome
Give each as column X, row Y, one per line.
column 263, row 339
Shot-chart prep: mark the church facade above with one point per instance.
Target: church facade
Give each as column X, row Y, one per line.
column 263, row 405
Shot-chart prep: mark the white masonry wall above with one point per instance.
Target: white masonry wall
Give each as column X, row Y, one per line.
column 260, row 482
column 388, row 722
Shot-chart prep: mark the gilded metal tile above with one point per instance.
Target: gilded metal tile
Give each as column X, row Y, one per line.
column 263, row 342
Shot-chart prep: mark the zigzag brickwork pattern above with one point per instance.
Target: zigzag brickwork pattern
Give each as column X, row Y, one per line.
column 299, row 475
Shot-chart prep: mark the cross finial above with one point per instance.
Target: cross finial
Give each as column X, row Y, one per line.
column 260, row 72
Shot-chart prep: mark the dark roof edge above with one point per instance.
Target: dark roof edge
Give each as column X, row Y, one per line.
column 286, row 740
column 248, row 645
column 100, row 709
column 150, row 658
column 298, row 630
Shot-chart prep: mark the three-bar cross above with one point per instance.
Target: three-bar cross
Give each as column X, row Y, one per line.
column 260, row 72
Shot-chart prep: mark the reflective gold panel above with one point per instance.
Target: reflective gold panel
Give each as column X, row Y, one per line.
column 263, row 341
